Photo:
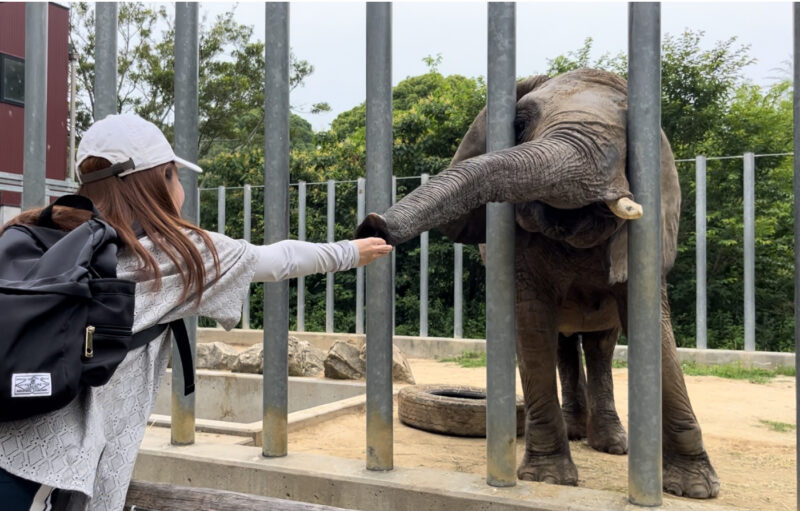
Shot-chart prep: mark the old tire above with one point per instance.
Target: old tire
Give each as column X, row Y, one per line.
column 449, row 409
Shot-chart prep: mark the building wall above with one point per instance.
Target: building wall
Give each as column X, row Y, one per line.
column 12, row 117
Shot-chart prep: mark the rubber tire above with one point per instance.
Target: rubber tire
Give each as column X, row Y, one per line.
column 449, row 409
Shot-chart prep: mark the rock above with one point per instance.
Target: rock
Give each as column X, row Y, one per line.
column 401, row 369
column 250, row 360
column 343, row 362
column 305, row 359
column 216, row 355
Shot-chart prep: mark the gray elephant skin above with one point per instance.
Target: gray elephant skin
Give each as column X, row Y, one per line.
column 566, row 177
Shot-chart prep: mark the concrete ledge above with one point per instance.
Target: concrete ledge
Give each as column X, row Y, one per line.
column 346, row 483
column 441, row 347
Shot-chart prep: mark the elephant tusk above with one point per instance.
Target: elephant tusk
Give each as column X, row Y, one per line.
column 625, row 208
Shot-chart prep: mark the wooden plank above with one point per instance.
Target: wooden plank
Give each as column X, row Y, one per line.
column 144, row 496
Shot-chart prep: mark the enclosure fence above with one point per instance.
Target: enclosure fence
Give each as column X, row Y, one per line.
column 644, row 75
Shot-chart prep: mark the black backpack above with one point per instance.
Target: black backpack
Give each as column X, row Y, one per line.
column 65, row 317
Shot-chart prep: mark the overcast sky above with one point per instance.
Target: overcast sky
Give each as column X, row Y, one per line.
column 332, row 35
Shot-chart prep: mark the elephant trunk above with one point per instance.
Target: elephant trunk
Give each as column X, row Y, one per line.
column 553, row 169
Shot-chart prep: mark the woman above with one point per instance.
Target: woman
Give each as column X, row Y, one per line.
column 82, row 456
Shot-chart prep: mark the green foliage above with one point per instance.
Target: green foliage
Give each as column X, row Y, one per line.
column 468, row 359
column 230, row 83
column 736, row 372
column 780, row 427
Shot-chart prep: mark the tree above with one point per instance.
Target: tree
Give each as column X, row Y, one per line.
column 231, row 70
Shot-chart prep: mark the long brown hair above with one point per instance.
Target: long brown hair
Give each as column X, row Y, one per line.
column 142, row 198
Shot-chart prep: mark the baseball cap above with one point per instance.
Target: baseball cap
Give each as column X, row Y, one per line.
column 130, row 143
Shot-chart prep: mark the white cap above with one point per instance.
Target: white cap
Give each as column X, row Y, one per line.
column 123, row 137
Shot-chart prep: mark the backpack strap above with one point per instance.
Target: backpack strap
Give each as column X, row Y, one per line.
column 181, row 340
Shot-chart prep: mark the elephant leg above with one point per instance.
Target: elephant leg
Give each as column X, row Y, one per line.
column 604, row 429
column 573, row 385
column 687, row 468
column 547, row 455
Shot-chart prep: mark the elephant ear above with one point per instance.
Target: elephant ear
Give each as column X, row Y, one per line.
column 617, row 252
column 471, row 228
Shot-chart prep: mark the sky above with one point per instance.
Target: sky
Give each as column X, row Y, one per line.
column 332, row 37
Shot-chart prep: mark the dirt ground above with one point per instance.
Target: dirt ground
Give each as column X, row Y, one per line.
column 755, row 464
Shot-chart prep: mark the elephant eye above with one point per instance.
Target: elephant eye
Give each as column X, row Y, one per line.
column 520, row 123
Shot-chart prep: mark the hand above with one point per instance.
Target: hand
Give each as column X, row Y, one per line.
column 370, row 249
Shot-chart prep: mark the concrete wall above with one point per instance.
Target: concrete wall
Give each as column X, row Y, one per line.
column 439, row 347
column 236, row 397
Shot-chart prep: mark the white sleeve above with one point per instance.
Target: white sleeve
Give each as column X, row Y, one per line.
column 290, row 258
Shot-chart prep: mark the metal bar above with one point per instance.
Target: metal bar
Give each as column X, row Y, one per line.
column 501, row 413
column 644, row 254
column 248, row 206
column 34, row 167
column 796, row 163
column 423, row 275
column 276, row 226
column 221, row 209
column 394, row 264
column 458, row 290
column 186, row 146
column 700, row 253
column 105, row 60
column 331, row 199
column 360, row 215
column 379, row 276
column 73, row 61
column 301, row 235
column 749, row 191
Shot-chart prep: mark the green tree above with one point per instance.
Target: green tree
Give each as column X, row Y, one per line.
column 231, row 71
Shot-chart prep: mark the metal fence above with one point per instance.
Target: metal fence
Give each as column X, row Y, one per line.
column 644, row 263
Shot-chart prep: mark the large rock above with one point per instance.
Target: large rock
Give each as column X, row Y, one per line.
column 250, row 360
column 344, row 362
column 216, row 355
column 304, row 358
column 401, row 369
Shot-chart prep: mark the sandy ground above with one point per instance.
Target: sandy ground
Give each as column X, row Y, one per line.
column 755, row 464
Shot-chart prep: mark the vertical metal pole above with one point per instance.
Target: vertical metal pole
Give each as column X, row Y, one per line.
column 360, row 214
column 458, row 290
column 644, row 254
column 187, row 57
column 301, row 235
column 105, row 60
column 73, row 60
column 248, row 205
column 34, row 190
column 394, row 264
column 276, row 227
column 423, row 276
column 749, row 190
column 501, row 415
column 331, row 239
column 221, row 209
column 700, row 244
column 379, row 276
column 796, row 162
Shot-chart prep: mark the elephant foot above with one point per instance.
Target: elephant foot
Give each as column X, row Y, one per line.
column 690, row 476
column 606, row 434
column 576, row 423
column 553, row 469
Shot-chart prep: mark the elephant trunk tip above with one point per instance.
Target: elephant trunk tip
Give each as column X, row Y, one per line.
column 374, row 226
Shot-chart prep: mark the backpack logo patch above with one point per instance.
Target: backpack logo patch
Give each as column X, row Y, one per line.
column 31, row 385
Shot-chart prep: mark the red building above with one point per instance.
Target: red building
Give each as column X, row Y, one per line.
column 12, row 89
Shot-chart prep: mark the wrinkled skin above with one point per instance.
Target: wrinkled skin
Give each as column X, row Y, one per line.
column 565, row 172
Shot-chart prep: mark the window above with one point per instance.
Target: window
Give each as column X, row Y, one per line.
column 12, row 80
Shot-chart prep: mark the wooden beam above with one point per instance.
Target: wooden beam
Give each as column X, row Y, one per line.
column 144, row 496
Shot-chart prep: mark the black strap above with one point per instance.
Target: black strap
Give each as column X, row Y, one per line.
column 181, row 340
column 117, row 168
column 70, row 201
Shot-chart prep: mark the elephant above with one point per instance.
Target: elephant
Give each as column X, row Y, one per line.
column 566, row 177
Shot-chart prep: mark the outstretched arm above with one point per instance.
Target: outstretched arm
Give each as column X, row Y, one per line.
column 290, row 258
